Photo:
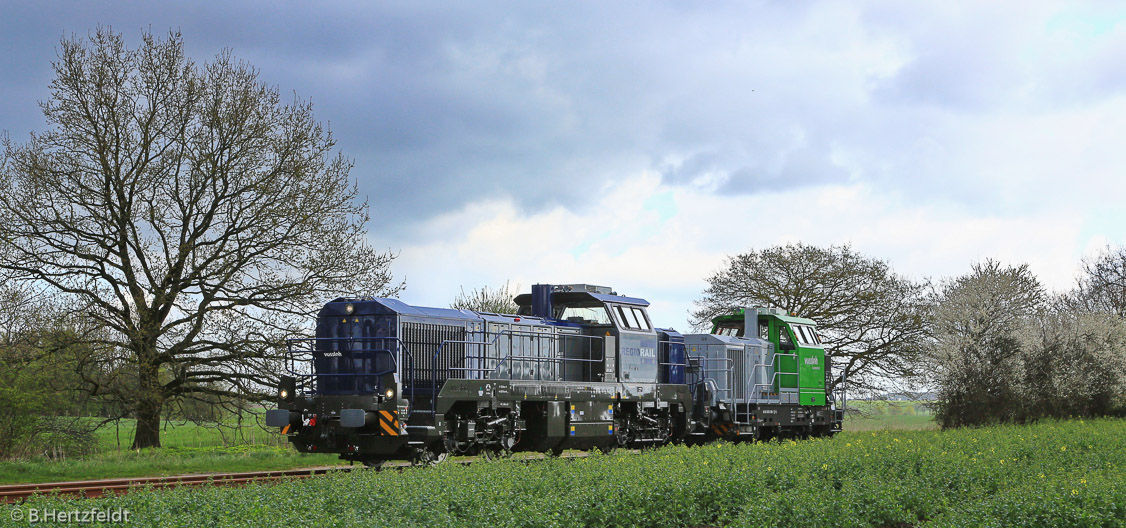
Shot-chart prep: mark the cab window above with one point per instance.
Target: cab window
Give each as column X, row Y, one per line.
column 590, row 315
column 630, row 317
column 799, row 332
column 626, row 317
column 642, row 321
column 731, row 331
column 806, row 335
column 784, row 337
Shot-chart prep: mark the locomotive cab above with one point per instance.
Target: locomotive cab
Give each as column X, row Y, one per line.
column 623, row 342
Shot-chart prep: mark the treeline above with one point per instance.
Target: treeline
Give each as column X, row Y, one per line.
column 1004, row 350
column 60, row 382
column 993, row 344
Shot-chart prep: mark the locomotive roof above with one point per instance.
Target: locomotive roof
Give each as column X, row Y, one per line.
column 737, row 317
column 525, row 299
column 371, row 306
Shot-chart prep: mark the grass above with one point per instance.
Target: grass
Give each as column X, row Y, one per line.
column 232, row 447
column 896, row 415
column 161, row 462
column 1048, row 474
column 180, row 433
column 188, row 448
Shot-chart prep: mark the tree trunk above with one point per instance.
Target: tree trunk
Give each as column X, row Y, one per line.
column 150, row 402
column 148, row 425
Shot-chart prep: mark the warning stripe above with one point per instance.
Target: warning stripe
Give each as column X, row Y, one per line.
column 389, row 422
column 720, row 429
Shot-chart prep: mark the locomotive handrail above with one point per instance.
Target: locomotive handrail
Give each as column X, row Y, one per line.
column 729, row 371
column 774, row 379
column 290, row 360
column 509, row 357
column 375, row 352
column 686, row 365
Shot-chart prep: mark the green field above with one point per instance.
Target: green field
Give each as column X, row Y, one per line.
column 180, row 433
column 231, row 447
column 879, row 415
column 1048, row 474
column 188, row 448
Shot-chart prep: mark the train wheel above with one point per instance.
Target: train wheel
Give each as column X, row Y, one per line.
column 555, row 452
column 374, row 464
column 427, row 457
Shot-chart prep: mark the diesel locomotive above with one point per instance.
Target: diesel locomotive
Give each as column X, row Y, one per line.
column 577, row 367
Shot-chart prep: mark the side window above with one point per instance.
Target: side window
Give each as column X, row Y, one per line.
column 732, row 331
column 642, row 322
column 626, row 316
column 615, row 315
column 803, row 338
column 630, row 318
column 783, row 336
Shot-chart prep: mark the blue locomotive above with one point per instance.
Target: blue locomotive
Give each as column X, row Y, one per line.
column 578, row 367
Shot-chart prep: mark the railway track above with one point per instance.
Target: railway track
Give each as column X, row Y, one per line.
column 98, row 488
column 14, row 493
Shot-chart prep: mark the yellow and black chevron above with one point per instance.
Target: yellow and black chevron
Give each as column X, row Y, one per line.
column 389, row 422
column 721, row 429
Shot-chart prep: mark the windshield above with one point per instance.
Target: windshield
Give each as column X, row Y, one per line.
column 806, row 335
column 732, row 331
column 589, row 315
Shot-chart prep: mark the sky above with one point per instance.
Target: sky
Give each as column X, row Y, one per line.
column 637, row 145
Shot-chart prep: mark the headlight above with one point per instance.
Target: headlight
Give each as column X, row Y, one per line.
column 284, row 394
column 390, row 393
column 348, row 308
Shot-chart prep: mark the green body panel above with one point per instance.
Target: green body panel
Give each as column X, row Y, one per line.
column 811, row 374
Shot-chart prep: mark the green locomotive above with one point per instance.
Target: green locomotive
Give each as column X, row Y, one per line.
column 771, row 382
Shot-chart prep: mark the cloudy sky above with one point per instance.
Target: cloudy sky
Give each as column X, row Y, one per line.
column 637, row 145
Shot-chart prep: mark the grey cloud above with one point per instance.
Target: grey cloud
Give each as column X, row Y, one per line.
column 441, row 104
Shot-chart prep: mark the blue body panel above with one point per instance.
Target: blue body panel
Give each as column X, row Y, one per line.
column 672, row 357
column 359, row 342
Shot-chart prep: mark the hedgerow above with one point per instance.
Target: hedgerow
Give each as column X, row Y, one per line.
column 1068, row 473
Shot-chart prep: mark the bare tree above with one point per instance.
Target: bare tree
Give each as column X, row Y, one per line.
column 873, row 321
column 1102, row 288
column 194, row 216
column 499, row 300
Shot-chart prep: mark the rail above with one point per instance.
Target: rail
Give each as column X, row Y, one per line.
column 14, row 493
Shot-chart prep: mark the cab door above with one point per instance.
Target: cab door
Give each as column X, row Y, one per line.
column 785, row 364
column 811, row 366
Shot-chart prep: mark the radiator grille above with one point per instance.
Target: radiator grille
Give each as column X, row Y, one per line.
column 422, row 340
